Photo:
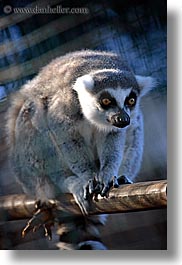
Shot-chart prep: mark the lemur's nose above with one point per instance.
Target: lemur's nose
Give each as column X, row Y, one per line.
column 120, row 119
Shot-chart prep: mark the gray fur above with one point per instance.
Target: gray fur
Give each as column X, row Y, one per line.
column 55, row 147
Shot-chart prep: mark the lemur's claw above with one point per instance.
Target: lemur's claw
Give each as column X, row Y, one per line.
column 48, row 231
column 105, row 191
column 114, row 182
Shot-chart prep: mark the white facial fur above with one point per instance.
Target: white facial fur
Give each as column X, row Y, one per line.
column 83, row 87
column 88, row 102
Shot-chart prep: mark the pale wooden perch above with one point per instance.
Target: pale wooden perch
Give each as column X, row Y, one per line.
column 132, row 197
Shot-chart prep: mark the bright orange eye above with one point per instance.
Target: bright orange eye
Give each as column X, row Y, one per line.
column 131, row 101
column 106, row 101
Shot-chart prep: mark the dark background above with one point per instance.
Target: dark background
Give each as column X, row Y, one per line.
column 134, row 29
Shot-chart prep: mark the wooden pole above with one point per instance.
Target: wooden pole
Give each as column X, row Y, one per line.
column 129, row 197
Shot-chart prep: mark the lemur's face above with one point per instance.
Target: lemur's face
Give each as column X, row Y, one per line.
column 115, row 106
column 111, row 109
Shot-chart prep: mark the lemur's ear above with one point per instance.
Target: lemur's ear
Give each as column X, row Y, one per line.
column 146, row 83
column 85, row 81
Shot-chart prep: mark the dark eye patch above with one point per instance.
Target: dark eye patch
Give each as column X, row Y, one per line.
column 106, row 97
column 130, row 101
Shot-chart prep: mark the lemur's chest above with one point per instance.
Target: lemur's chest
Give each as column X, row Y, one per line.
column 90, row 137
column 88, row 132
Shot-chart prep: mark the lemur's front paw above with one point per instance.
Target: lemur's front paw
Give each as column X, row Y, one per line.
column 43, row 217
column 124, row 180
column 84, row 194
column 92, row 189
column 103, row 188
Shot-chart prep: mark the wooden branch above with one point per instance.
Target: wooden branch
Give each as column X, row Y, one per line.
column 133, row 197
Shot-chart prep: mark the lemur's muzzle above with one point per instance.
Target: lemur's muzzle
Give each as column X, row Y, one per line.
column 120, row 119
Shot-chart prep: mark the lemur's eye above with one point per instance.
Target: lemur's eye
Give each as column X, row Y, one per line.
column 106, row 101
column 131, row 100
